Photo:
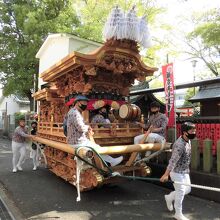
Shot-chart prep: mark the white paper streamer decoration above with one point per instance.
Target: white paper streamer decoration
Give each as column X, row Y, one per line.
column 112, row 26
column 120, row 25
column 132, row 25
column 144, row 35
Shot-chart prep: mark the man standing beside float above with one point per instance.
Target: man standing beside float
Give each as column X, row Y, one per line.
column 157, row 124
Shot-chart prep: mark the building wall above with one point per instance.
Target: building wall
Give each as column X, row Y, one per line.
column 210, row 108
column 60, row 46
column 57, row 49
column 81, row 46
column 12, row 106
column 24, row 107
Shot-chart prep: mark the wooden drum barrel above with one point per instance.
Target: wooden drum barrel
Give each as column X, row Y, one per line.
column 129, row 112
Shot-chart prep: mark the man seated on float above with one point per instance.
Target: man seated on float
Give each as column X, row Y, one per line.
column 78, row 132
column 101, row 117
column 157, row 124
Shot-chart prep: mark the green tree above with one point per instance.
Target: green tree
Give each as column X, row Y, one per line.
column 24, row 24
column 93, row 15
column 189, row 94
column 204, row 40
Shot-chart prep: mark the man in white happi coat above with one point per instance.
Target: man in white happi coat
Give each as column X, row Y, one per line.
column 78, row 131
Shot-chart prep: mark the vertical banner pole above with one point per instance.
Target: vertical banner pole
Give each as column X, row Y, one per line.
column 175, row 133
column 168, row 79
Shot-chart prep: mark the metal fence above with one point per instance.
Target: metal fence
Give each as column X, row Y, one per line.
column 1, row 123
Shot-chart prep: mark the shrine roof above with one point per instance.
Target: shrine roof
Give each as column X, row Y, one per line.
column 21, row 99
column 207, row 92
column 140, row 86
column 179, row 86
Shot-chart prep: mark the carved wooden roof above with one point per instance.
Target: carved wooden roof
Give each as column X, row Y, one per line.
column 120, row 57
column 40, row 94
column 48, row 95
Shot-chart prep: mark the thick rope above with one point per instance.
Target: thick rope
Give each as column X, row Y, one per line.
column 79, row 164
column 113, row 174
column 199, row 186
column 101, row 171
column 169, row 181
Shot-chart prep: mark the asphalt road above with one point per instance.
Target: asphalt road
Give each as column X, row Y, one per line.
column 41, row 195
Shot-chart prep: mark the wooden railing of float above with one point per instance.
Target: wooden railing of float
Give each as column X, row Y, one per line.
column 48, row 128
column 114, row 129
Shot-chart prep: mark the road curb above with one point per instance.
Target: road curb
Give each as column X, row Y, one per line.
column 9, row 204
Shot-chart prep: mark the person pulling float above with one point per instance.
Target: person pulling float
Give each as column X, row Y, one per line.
column 178, row 169
column 34, row 151
column 18, row 145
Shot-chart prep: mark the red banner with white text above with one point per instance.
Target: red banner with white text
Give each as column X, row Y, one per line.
column 168, row 80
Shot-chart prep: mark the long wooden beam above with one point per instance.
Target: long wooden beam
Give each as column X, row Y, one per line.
column 58, row 145
column 121, row 149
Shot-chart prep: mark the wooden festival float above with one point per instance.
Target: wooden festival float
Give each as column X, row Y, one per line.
column 104, row 76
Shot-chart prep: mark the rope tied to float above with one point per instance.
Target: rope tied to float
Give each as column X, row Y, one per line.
column 99, row 170
column 79, row 165
column 110, row 173
column 116, row 174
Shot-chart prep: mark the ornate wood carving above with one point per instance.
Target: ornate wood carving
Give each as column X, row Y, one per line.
column 40, row 95
column 59, row 111
column 125, row 43
column 90, row 70
column 73, row 82
column 110, row 69
column 119, row 64
column 45, row 111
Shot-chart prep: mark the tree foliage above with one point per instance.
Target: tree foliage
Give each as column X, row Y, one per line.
column 189, row 94
column 204, row 40
column 93, row 15
column 24, row 24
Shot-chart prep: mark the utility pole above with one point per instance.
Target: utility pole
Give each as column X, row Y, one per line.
column 167, row 58
column 194, row 62
column 34, row 103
